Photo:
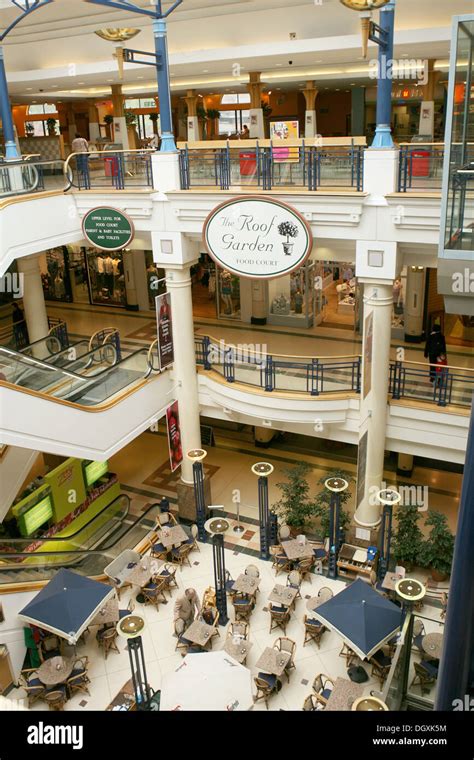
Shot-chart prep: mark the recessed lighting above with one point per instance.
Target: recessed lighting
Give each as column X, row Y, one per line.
column 110, row 80
column 205, row 71
column 353, row 84
column 142, row 77
column 29, row 88
column 278, row 64
column 81, row 83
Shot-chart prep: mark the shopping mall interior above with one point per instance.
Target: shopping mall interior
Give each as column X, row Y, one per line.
column 236, row 355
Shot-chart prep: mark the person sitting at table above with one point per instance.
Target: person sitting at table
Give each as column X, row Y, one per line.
column 208, row 615
column 185, row 606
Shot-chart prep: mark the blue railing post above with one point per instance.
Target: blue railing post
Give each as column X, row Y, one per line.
column 269, row 372
column 206, row 345
column 314, row 375
column 397, row 374
column 229, row 366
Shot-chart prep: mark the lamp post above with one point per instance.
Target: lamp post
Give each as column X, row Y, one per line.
column 131, row 628
column 160, row 59
column 25, row 7
column 388, row 497
column 336, row 486
column 197, row 456
column 410, row 591
column 383, row 37
column 216, row 527
column 263, row 470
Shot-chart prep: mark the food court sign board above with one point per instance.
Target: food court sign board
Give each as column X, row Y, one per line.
column 258, row 237
column 108, row 228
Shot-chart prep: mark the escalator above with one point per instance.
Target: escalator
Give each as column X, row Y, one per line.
column 87, row 552
column 80, row 401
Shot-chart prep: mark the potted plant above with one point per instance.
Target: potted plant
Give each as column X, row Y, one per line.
column 437, row 550
column 295, row 505
column 29, row 129
column 407, row 540
column 323, row 501
column 51, row 124
column 130, row 119
column 154, row 119
column 212, row 118
column 288, row 230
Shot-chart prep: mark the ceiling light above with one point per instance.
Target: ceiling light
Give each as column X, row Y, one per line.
column 29, row 88
column 110, row 80
column 205, row 71
column 278, row 64
column 117, row 35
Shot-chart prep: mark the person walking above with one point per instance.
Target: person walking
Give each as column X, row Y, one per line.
column 435, row 347
column 81, row 146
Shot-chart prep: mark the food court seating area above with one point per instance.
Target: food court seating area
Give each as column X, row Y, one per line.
column 293, row 659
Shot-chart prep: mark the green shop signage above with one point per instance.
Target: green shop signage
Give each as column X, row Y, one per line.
column 107, row 228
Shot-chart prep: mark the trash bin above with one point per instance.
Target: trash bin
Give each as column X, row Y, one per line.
column 420, row 163
column 111, row 166
column 248, row 164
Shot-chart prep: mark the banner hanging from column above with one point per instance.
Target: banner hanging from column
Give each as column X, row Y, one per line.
column 174, row 436
column 164, row 330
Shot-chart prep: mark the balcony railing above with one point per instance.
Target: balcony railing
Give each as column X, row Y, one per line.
column 279, row 372
column 118, row 169
column 29, row 175
column 270, row 164
column 314, row 376
column 421, row 165
column 422, row 382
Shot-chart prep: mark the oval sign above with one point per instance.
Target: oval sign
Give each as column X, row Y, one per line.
column 107, row 228
column 256, row 236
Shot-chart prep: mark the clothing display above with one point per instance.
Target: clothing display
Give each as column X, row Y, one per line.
column 226, row 291
column 280, row 305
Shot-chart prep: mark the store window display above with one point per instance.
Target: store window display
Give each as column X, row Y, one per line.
column 106, row 275
column 291, row 298
column 54, row 265
column 228, row 295
column 398, row 312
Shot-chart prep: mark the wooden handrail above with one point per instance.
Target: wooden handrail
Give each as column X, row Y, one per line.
column 427, row 366
column 324, row 142
column 284, row 356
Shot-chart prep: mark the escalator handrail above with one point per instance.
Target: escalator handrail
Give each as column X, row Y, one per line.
column 72, row 535
column 55, row 353
column 75, row 552
column 74, row 375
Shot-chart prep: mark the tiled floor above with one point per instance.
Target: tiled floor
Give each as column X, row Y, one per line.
column 108, row 676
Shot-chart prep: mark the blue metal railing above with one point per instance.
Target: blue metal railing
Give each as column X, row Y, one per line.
column 442, row 386
column 116, row 169
column 306, row 166
column 338, row 374
column 279, row 373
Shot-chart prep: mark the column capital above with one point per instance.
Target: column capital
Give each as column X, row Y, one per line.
column 254, row 87
column 191, row 102
column 310, row 95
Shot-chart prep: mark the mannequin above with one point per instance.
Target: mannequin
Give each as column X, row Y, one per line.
column 397, row 294
column 298, row 302
column 226, row 291
column 109, row 274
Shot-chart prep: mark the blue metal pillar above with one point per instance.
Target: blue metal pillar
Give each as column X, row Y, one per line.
column 264, row 517
column 456, row 674
column 383, row 132
column 219, row 577
column 198, row 477
column 385, row 541
column 334, row 534
column 11, row 151
column 168, row 144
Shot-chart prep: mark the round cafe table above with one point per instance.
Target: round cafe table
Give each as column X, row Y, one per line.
column 432, row 644
column 55, row 670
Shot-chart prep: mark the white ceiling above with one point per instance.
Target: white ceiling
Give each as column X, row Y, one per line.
column 55, row 50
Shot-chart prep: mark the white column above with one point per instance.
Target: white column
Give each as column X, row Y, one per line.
column 141, row 280
column 257, row 124
column 414, row 303
column 193, row 129
column 310, row 124
column 178, row 283
column 378, row 301
column 121, row 132
column 33, row 298
column 94, row 132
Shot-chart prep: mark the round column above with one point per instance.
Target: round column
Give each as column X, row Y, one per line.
column 33, row 298
column 178, row 283
column 378, row 300
column 414, row 304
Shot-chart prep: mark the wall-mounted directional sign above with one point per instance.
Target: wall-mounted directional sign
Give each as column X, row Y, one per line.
column 108, row 228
